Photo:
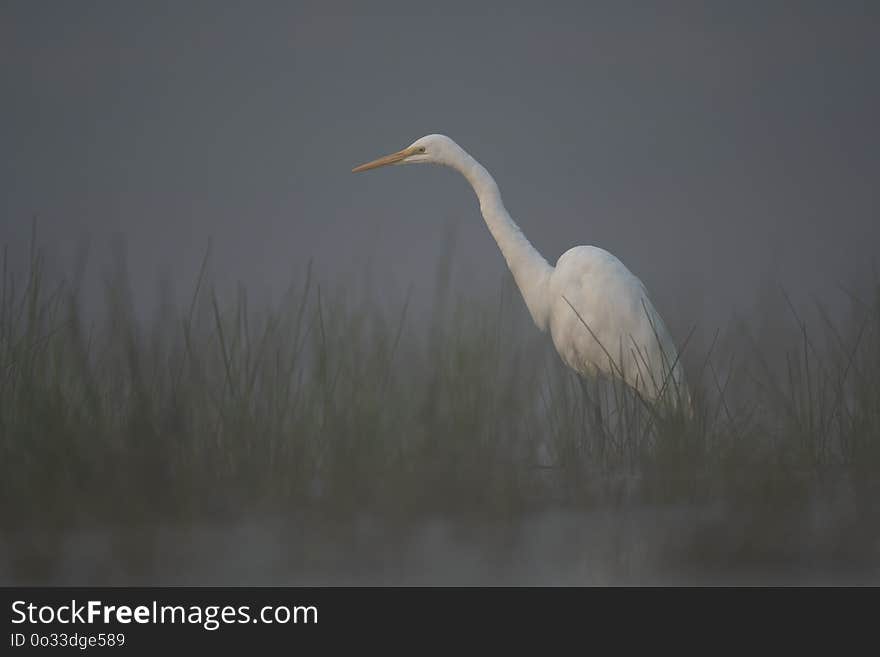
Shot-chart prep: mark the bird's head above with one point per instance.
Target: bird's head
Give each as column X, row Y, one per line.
column 430, row 149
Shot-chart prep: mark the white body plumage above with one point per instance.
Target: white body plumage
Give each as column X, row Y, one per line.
column 598, row 313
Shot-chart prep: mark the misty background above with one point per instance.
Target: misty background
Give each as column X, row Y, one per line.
column 724, row 152
column 711, row 147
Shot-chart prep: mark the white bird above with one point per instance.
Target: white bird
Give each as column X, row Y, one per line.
column 599, row 314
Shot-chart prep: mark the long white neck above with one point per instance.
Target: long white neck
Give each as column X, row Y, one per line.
column 530, row 270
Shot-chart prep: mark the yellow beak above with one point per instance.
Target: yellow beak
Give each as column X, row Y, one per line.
column 394, row 158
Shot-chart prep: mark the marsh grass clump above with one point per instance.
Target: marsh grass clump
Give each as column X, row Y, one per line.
column 323, row 408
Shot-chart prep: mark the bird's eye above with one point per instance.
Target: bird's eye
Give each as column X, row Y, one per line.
column 421, row 149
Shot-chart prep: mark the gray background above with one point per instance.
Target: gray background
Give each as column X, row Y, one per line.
column 714, row 147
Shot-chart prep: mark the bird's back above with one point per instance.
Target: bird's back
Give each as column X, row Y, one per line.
column 602, row 321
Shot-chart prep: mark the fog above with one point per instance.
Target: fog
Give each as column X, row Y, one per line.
column 725, row 153
column 629, row 546
column 711, row 148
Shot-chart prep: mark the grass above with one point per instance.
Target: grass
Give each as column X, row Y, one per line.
column 324, row 408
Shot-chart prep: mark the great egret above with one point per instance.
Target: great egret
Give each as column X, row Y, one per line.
column 600, row 317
